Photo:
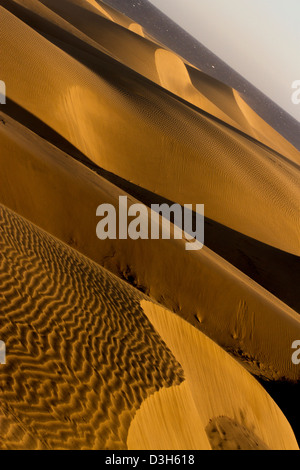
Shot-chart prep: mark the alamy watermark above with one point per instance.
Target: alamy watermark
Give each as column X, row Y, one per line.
column 2, row 92
column 296, row 354
column 2, row 353
column 166, row 221
column 296, row 93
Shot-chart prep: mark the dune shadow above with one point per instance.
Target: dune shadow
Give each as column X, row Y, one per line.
column 225, row 433
column 36, row 125
column 286, row 395
column 86, row 54
column 121, row 76
column 275, row 270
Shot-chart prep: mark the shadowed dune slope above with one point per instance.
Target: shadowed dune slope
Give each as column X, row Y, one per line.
column 152, row 61
column 112, row 31
column 201, row 287
column 85, row 350
column 81, row 355
column 132, row 128
column 95, row 110
column 208, row 370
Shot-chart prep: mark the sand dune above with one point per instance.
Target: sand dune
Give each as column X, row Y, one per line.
column 139, row 56
column 77, row 365
column 99, row 8
column 212, row 295
column 100, row 110
column 219, row 164
column 149, row 59
column 137, row 29
column 201, row 358
column 82, row 357
column 174, row 76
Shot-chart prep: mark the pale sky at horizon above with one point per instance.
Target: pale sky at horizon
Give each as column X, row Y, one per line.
column 258, row 38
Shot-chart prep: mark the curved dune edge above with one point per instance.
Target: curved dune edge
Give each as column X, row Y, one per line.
column 174, row 76
column 95, row 349
column 244, row 187
column 233, row 310
column 217, row 384
column 122, row 48
column 101, row 9
column 81, row 356
column 249, row 122
column 263, row 132
column 137, row 29
column 169, row 420
column 214, row 102
column 91, row 105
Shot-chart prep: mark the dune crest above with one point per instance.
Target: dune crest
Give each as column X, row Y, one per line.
column 137, row 29
column 212, row 295
column 211, row 376
column 218, row 163
column 139, row 343
column 100, row 8
column 174, row 76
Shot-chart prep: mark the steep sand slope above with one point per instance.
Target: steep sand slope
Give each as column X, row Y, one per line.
column 61, row 195
column 208, row 372
column 82, row 357
column 85, row 91
column 139, row 55
column 174, row 76
column 136, row 130
column 235, row 108
column 51, row 25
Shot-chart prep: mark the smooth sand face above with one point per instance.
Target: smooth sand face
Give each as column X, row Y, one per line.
column 99, row 8
column 210, row 376
column 83, row 358
column 174, row 76
column 94, row 89
column 212, row 295
column 245, row 187
column 137, row 29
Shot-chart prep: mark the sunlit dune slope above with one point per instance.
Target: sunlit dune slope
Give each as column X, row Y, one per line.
column 85, row 351
column 97, row 109
column 135, row 129
column 208, row 371
column 81, row 355
column 111, row 30
column 61, row 195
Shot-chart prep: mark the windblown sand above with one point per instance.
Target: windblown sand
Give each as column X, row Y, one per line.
column 99, row 109
column 85, row 351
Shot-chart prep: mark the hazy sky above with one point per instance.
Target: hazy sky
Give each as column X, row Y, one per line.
column 258, row 38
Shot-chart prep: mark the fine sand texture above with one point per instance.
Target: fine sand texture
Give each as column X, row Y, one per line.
column 116, row 344
column 202, row 287
column 85, row 352
column 138, row 131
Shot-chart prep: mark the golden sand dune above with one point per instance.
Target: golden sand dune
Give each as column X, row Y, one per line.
column 236, row 109
column 96, row 110
column 138, row 131
column 201, row 358
column 157, row 64
column 104, row 12
column 202, row 287
column 81, row 355
column 85, row 351
column 162, row 66
column 137, row 29
column 174, row 76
